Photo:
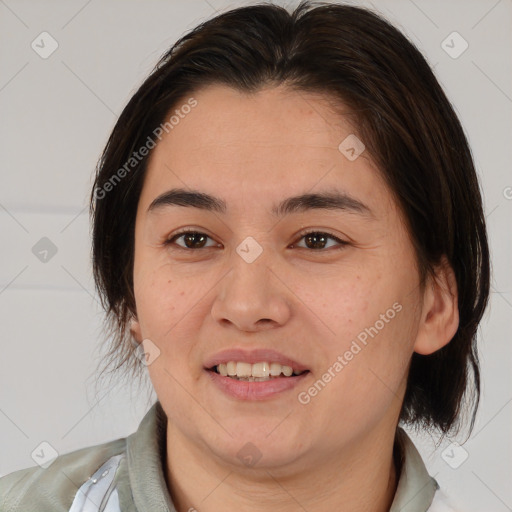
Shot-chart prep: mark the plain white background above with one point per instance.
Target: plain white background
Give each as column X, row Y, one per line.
column 56, row 114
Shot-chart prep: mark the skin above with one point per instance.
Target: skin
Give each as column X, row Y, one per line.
column 334, row 453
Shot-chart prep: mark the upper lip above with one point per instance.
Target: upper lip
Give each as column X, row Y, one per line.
column 253, row 356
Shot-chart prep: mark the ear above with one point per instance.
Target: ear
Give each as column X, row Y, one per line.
column 135, row 329
column 439, row 319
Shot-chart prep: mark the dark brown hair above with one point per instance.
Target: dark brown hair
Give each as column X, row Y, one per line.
column 356, row 58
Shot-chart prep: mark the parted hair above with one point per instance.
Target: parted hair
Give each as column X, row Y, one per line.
column 355, row 58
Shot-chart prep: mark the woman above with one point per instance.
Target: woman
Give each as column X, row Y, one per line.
column 287, row 222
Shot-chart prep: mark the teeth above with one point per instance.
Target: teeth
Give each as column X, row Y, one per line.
column 260, row 370
column 230, row 368
column 243, row 369
column 275, row 369
column 256, row 371
column 287, row 371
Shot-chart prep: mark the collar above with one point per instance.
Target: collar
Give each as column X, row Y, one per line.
column 146, row 455
column 416, row 488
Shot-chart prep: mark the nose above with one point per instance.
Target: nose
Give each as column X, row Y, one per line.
column 252, row 296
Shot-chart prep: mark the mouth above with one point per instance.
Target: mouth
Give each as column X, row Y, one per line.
column 254, row 375
column 255, row 372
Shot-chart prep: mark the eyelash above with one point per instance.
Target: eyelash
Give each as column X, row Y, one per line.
column 175, row 236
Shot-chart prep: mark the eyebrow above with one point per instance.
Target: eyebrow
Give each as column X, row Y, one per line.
column 326, row 200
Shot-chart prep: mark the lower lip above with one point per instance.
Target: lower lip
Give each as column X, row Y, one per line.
column 244, row 390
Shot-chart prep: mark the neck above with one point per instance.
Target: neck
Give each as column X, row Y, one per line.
column 361, row 478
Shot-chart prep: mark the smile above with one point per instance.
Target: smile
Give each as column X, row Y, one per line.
column 256, row 372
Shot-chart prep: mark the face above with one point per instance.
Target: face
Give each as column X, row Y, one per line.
column 332, row 292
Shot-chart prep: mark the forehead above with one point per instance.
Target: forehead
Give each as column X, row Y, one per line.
column 257, row 146
column 269, row 120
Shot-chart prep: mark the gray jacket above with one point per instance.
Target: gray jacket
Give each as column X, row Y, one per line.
column 127, row 475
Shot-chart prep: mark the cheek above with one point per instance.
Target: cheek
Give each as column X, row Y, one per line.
column 166, row 310
column 154, row 297
column 171, row 309
column 163, row 303
column 373, row 319
column 364, row 377
column 350, row 303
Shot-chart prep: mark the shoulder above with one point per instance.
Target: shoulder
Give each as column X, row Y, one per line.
column 54, row 488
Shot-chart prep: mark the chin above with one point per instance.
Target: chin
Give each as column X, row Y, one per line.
column 256, row 446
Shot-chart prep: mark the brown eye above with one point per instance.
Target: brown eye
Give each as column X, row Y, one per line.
column 191, row 240
column 316, row 240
